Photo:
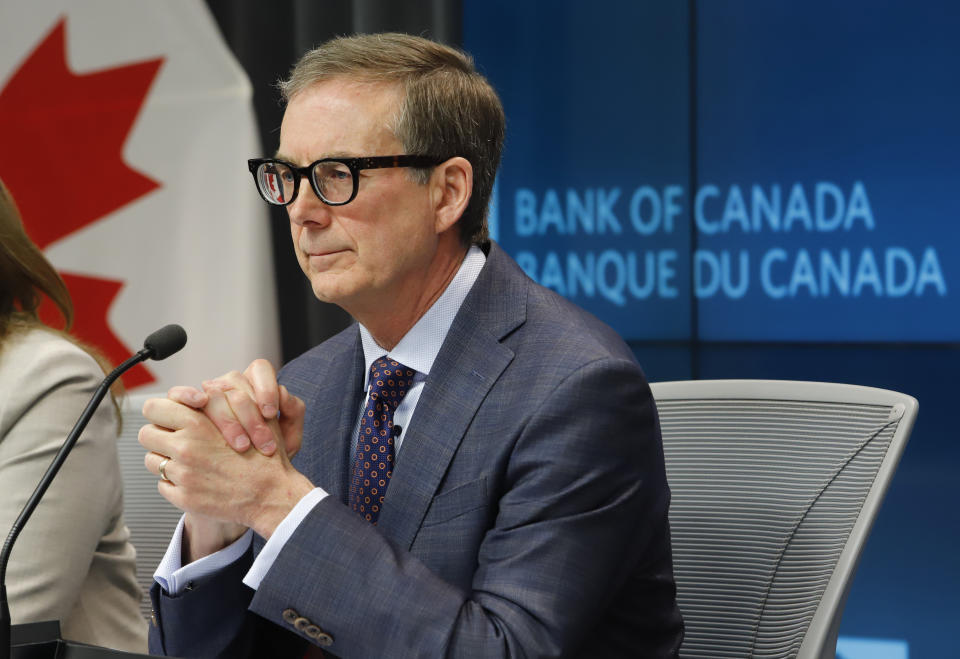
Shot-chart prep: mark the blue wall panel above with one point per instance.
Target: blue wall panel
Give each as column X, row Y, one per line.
column 794, row 187
column 591, row 194
column 848, row 114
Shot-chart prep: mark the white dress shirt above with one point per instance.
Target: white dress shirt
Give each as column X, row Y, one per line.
column 417, row 350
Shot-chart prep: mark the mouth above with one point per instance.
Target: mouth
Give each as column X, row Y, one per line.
column 323, row 259
column 320, row 251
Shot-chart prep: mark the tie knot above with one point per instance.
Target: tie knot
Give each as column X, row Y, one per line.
column 389, row 381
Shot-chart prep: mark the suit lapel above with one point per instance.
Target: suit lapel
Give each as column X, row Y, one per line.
column 328, row 435
column 470, row 361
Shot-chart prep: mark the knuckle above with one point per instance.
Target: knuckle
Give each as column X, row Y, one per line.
column 261, row 436
column 262, row 364
column 186, row 454
column 231, row 376
column 191, row 423
column 214, row 386
column 149, row 407
column 180, row 393
column 229, row 427
column 236, row 397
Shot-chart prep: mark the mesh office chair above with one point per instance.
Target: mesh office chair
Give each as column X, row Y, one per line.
column 775, row 487
column 150, row 518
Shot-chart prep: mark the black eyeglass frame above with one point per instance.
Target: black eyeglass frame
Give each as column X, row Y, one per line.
column 355, row 165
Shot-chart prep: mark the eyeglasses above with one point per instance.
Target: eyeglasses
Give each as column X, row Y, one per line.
column 334, row 180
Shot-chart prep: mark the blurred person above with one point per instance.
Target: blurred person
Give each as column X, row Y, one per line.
column 477, row 468
column 73, row 562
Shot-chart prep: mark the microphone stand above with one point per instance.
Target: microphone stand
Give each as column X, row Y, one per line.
column 149, row 351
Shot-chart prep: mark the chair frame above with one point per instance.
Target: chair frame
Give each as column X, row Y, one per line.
column 821, row 636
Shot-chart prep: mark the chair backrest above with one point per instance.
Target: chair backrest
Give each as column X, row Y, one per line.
column 150, row 518
column 775, row 486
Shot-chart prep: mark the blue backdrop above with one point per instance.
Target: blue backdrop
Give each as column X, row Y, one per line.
column 759, row 190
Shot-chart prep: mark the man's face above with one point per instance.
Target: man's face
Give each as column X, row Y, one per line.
column 375, row 251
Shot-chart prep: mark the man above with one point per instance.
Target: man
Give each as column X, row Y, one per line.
column 502, row 493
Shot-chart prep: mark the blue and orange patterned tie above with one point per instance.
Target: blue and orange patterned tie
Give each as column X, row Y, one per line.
column 373, row 464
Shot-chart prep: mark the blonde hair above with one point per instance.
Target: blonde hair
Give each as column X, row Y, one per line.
column 448, row 110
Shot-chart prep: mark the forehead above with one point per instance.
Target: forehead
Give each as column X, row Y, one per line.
column 340, row 118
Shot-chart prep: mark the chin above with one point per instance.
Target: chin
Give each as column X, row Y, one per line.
column 324, row 294
column 326, row 290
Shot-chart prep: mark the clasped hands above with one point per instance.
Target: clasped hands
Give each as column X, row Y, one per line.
column 227, row 455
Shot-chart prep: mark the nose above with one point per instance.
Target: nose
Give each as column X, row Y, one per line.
column 307, row 209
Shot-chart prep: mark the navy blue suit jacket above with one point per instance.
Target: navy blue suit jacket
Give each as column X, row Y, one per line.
column 526, row 516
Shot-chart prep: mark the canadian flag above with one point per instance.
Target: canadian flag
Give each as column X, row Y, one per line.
column 124, row 133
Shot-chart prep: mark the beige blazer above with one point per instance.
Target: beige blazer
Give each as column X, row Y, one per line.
column 74, row 561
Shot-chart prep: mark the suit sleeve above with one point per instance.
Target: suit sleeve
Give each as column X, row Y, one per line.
column 212, row 620
column 584, row 494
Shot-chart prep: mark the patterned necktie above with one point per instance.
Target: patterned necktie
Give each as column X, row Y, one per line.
column 373, row 465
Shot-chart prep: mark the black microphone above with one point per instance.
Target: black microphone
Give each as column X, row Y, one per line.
column 164, row 342
column 159, row 345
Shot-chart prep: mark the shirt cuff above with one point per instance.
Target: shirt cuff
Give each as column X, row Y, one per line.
column 174, row 577
column 278, row 539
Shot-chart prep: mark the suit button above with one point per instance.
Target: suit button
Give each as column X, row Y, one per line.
column 290, row 615
column 318, row 636
column 324, row 640
column 153, row 618
column 300, row 624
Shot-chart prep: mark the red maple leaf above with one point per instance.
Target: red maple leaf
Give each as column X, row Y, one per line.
column 98, row 295
column 61, row 156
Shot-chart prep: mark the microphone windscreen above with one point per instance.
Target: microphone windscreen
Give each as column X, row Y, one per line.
column 165, row 341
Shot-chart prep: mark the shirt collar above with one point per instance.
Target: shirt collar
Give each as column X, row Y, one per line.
column 419, row 347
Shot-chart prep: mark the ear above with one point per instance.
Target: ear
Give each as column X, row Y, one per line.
column 451, row 187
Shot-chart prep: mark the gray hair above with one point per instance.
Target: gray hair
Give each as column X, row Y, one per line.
column 448, row 110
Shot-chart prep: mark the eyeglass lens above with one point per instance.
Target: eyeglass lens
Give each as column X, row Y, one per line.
column 333, row 180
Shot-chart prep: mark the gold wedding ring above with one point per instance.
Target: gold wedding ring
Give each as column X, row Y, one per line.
column 163, row 465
